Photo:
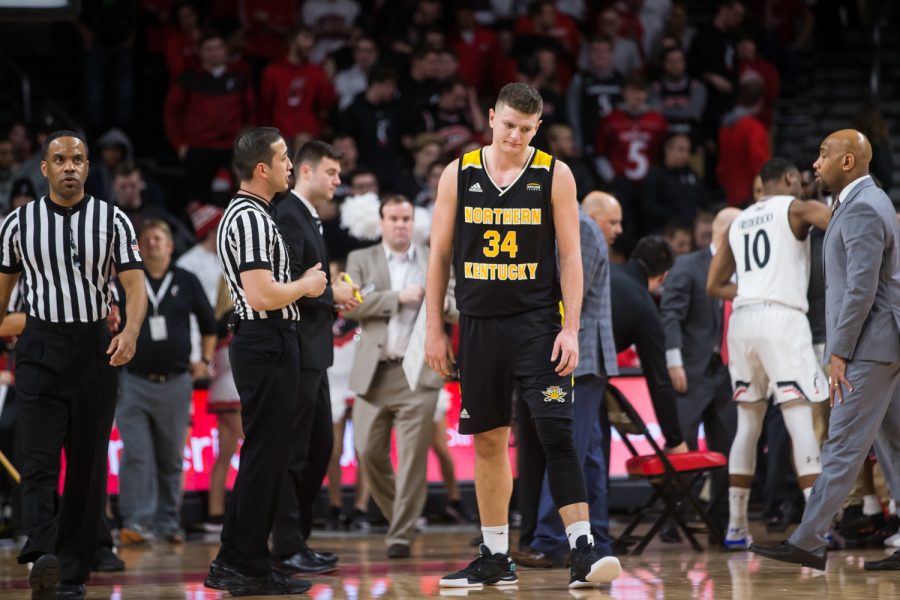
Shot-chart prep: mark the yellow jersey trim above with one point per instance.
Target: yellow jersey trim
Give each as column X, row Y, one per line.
column 471, row 159
column 541, row 160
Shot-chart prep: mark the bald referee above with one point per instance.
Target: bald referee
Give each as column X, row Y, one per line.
column 64, row 247
column 265, row 361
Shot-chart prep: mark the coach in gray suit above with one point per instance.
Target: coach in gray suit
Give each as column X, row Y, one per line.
column 862, row 313
column 693, row 324
column 597, row 362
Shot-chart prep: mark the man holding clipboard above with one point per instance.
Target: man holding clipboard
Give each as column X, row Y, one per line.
column 388, row 400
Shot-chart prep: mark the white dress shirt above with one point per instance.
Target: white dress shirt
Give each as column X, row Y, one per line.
column 843, row 195
column 404, row 271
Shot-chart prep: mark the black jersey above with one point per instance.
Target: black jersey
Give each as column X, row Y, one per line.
column 504, row 250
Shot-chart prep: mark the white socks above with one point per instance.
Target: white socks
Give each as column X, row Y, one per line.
column 496, row 538
column 738, row 498
column 578, row 529
column 871, row 505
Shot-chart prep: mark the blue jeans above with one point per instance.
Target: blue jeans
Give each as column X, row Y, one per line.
column 550, row 536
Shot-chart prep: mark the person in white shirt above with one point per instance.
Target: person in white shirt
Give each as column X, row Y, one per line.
column 395, row 272
column 769, row 341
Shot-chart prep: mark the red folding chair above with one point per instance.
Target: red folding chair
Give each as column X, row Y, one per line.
column 672, row 476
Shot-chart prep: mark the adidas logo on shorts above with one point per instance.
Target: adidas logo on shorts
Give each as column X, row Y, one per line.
column 463, row 414
column 475, row 187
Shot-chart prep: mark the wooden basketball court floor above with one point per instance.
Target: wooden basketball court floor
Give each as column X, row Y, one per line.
column 664, row 571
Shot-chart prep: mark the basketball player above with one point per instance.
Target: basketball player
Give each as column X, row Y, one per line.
column 500, row 213
column 769, row 340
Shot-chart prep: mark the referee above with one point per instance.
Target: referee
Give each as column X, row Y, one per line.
column 66, row 244
column 265, row 359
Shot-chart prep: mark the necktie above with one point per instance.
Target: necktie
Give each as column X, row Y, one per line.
column 726, row 315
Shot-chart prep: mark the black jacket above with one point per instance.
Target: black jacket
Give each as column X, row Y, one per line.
column 306, row 247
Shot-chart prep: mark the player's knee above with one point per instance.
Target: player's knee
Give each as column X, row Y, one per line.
column 564, row 473
column 491, row 444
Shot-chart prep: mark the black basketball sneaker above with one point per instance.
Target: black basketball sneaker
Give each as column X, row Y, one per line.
column 590, row 567
column 487, row 569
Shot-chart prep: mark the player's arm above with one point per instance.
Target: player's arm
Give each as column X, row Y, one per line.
column 805, row 213
column 438, row 351
column 568, row 242
column 718, row 282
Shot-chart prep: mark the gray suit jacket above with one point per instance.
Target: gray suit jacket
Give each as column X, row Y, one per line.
column 369, row 267
column 692, row 320
column 862, row 277
column 596, row 347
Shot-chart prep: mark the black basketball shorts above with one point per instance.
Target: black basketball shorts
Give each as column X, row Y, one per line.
column 496, row 354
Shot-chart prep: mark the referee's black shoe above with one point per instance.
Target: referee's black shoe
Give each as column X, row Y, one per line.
column 43, row 577
column 223, row 576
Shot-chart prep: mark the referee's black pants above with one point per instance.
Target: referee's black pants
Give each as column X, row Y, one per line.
column 65, row 398
column 311, row 445
column 265, row 362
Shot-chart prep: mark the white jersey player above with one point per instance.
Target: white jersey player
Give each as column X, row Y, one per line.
column 769, row 340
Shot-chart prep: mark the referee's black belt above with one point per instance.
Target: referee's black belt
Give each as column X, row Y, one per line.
column 67, row 329
column 156, row 377
column 239, row 325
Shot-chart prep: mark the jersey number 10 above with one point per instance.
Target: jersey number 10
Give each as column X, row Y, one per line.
column 495, row 247
column 761, row 250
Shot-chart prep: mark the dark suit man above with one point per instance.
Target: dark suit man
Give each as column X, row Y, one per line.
column 693, row 324
column 317, row 170
column 862, row 319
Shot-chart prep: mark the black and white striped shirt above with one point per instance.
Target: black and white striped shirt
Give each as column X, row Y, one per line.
column 248, row 239
column 65, row 255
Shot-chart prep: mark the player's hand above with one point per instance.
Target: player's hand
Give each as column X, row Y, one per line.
column 199, row 371
column 439, row 352
column 344, row 294
column 679, row 379
column 565, row 348
column 316, row 280
column 122, row 348
column 838, row 380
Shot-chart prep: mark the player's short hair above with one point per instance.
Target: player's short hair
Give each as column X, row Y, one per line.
column 654, row 254
column 393, row 199
column 521, row 97
column 61, row 134
column 253, row 146
column 775, row 168
column 311, row 153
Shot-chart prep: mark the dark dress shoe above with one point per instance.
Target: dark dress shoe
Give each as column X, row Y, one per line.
column 890, row 563
column 107, row 561
column 398, row 551
column 273, row 583
column 326, row 557
column 304, row 561
column 787, row 552
column 43, row 577
column 531, row 557
column 220, row 575
column 70, row 591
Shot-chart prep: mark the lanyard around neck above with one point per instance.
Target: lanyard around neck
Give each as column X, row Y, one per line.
column 156, row 297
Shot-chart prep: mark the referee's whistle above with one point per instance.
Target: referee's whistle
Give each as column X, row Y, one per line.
column 356, row 293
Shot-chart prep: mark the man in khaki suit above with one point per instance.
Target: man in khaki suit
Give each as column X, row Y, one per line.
column 395, row 271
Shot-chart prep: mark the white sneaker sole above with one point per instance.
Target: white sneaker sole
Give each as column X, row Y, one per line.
column 605, row 570
column 739, row 544
column 464, row 583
